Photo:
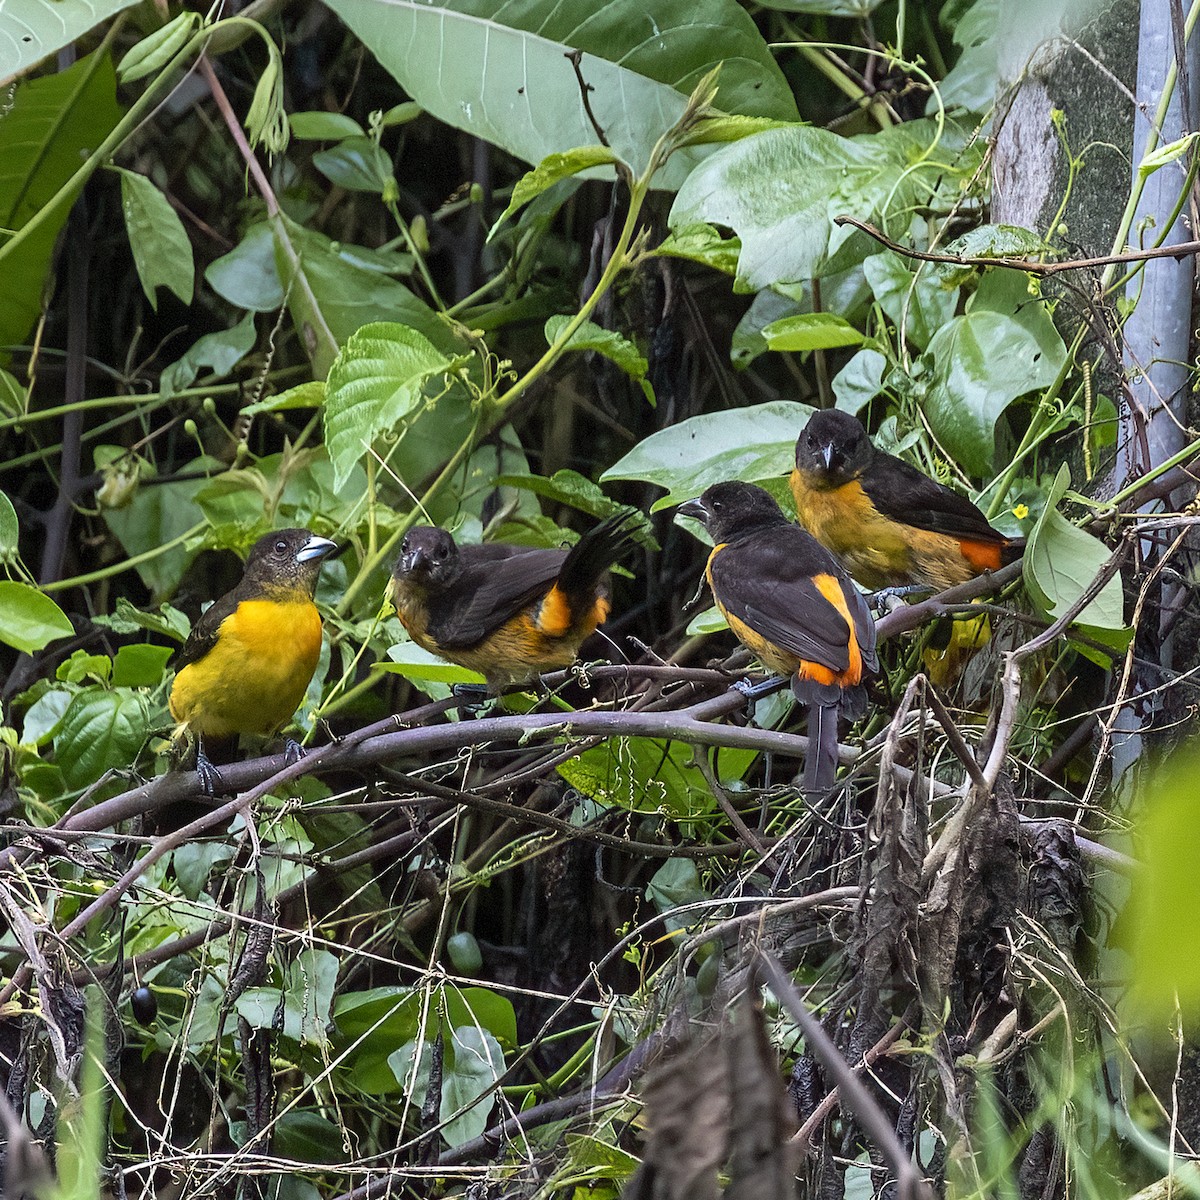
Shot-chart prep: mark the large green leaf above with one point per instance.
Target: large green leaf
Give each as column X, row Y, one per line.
column 754, row 444
column 46, row 126
column 1162, row 932
column 922, row 300
column 1061, row 561
column 982, row 361
column 512, row 84
column 29, row 619
column 826, row 8
column 161, row 250
column 31, row 30
column 780, row 190
column 100, row 730
column 335, row 287
column 473, row 1063
column 646, row 775
column 375, row 384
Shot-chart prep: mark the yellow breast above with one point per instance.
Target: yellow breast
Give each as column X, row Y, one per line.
column 255, row 676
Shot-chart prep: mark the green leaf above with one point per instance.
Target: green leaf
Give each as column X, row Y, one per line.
column 10, row 531
column 1163, row 934
column 859, row 381
column 168, row 621
column 193, row 863
column 303, row 395
column 83, row 666
column 357, row 164
column 982, row 361
column 29, row 619
column 645, row 775
column 307, row 995
column 219, row 352
column 921, row 300
column 336, row 288
column 419, row 665
column 513, row 86
column 161, row 250
column 101, row 730
column 157, row 515
column 473, row 1064
column 157, row 49
column 826, row 8
column 615, row 347
column 46, row 126
column 14, row 399
column 754, row 444
column 811, row 331
column 323, row 126
column 44, row 714
column 374, row 385
column 566, row 487
column 35, row 31
column 246, row 276
column 140, row 666
column 548, row 172
column 1060, row 562
column 780, row 190
column 703, row 244
column 305, row 1137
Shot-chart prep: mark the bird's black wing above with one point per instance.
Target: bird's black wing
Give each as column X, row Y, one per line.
column 902, row 493
column 493, row 587
column 768, row 581
column 203, row 636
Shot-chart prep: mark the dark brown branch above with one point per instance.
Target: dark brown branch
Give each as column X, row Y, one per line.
column 1178, row 250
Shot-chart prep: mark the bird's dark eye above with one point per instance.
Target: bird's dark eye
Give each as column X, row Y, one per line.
column 812, row 439
column 715, row 505
column 281, row 547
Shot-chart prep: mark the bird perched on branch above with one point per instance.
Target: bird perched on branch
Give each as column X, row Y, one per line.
column 790, row 603
column 889, row 524
column 508, row 612
column 250, row 657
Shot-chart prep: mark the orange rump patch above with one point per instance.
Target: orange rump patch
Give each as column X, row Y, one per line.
column 983, row 556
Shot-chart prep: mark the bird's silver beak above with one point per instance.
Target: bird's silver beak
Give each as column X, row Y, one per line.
column 316, row 547
column 696, row 509
column 827, row 455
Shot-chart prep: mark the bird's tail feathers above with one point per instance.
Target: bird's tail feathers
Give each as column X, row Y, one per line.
column 596, row 551
column 820, row 767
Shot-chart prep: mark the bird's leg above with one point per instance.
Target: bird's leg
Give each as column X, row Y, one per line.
column 293, row 752
column 885, row 600
column 471, row 697
column 209, row 776
column 754, row 692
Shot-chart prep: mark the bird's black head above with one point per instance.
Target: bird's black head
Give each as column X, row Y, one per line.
column 728, row 510
column 834, row 447
column 288, row 560
column 428, row 556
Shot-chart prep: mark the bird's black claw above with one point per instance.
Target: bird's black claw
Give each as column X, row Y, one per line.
column 209, row 776
column 887, row 599
column 293, row 752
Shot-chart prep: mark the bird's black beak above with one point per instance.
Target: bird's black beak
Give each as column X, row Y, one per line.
column 316, row 547
column 696, row 509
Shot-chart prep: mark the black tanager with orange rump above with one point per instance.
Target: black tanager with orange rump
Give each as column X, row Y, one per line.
column 891, row 525
column 790, row 603
column 508, row 612
column 250, row 657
